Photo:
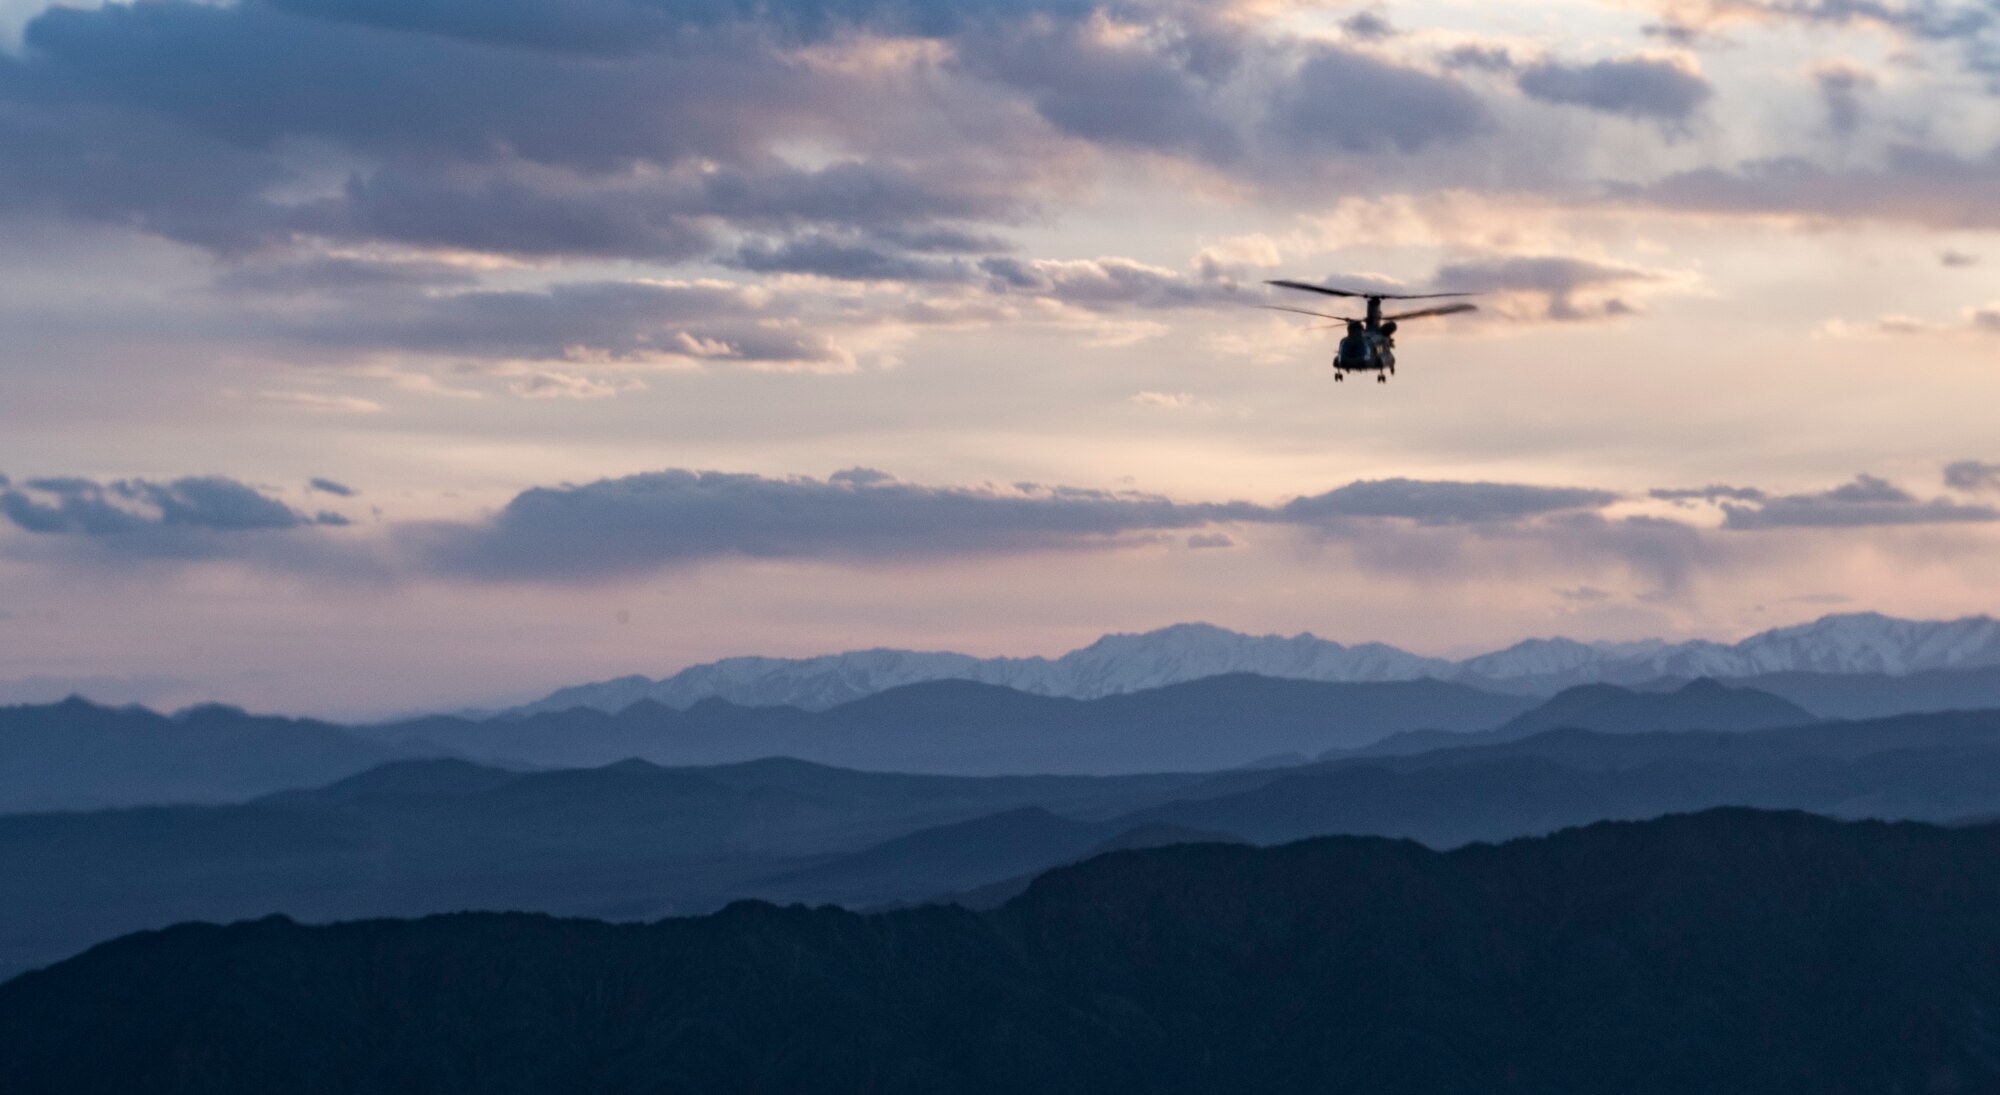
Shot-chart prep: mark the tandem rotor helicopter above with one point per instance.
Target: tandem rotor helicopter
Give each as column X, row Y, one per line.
column 1370, row 344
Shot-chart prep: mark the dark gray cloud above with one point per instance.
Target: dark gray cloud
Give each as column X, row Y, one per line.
column 1440, row 502
column 183, row 119
column 1972, row 475
column 293, row 276
column 1866, row 501
column 69, row 506
column 1344, row 100
column 858, row 261
column 1840, row 89
column 1107, row 284
column 1369, row 26
column 618, row 27
column 328, row 486
column 643, row 522
column 1935, row 19
column 1137, row 92
column 1912, row 185
column 1714, row 492
column 1648, row 88
column 1479, row 57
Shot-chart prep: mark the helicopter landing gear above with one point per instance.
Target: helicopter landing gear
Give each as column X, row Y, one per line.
column 1338, row 377
column 1382, row 378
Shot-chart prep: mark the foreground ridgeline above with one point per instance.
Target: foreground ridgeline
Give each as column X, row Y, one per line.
column 1730, row 951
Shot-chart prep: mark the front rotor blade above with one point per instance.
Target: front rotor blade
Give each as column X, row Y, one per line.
column 1310, row 288
column 1419, row 296
column 1303, row 312
column 1442, row 310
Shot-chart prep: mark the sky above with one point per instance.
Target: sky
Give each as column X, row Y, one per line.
column 369, row 356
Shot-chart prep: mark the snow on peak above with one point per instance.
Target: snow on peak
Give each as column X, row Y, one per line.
column 1862, row 642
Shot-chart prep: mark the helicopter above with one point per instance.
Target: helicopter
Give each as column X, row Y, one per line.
column 1370, row 345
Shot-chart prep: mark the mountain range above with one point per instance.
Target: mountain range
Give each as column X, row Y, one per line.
column 1729, row 952
column 76, row 755
column 1848, row 644
column 633, row 840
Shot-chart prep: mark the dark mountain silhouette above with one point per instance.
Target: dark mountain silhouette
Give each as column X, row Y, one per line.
column 967, row 728
column 1726, row 952
column 77, row 755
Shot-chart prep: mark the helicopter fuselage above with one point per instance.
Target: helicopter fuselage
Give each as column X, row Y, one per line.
column 1370, row 350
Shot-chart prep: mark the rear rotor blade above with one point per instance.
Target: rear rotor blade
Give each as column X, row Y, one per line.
column 1441, row 310
column 1303, row 312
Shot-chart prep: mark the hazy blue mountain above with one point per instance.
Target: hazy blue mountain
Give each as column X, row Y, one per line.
column 1874, row 695
column 632, row 840
column 1728, row 952
column 1853, row 643
column 1698, row 705
column 627, row 840
column 968, row 728
column 76, row 755
column 963, row 855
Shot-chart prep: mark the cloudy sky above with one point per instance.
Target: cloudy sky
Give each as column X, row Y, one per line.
column 361, row 356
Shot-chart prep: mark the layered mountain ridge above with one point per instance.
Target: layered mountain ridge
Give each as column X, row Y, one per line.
column 1853, row 643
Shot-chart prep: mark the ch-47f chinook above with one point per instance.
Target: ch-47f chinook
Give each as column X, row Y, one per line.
column 1370, row 344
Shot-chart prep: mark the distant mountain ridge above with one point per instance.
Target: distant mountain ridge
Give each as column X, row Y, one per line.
column 1853, row 643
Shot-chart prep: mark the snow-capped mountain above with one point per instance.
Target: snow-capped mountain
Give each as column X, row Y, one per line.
column 1854, row 643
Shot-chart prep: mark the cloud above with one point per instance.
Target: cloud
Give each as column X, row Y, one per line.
column 1840, row 87
column 643, row 522
column 188, row 120
column 1095, row 80
column 1912, row 185
column 1668, row 90
column 1346, row 101
column 1714, row 492
column 1866, row 501
column 1210, row 541
column 567, row 386
column 827, row 257
column 1166, row 401
column 1571, row 288
column 1972, row 475
column 1108, row 284
column 328, row 486
column 608, row 320
column 321, row 401
column 1369, row 26
column 137, row 507
column 1956, row 259
column 1440, row 502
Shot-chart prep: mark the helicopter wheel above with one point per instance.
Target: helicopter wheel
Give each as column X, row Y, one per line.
column 1383, row 379
column 1338, row 377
